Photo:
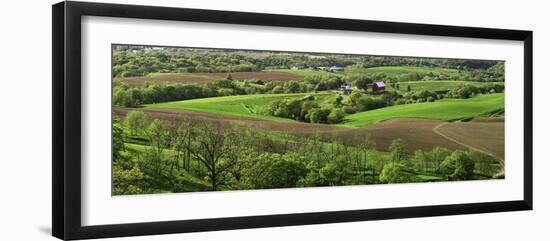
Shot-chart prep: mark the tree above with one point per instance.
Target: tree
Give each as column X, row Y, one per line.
column 438, row 155
column 318, row 115
column 127, row 181
column 278, row 90
column 215, row 148
column 118, row 138
column 275, row 171
column 291, row 87
column 396, row 173
column 338, row 101
column 398, row 149
column 336, row 116
column 337, row 171
column 157, row 143
column 458, row 166
column 363, row 82
column 136, row 121
column 408, row 88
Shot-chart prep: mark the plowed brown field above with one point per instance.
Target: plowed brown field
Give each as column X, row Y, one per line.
column 417, row 133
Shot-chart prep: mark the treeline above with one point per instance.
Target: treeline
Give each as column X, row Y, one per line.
column 201, row 156
column 460, row 64
column 330, row 111
column 126, row 96
column 494, row 73
column 139, row 61
column 333, row 110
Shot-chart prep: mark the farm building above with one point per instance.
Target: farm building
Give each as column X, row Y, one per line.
column 378, row 87
column 345, row 88
column 335, row 69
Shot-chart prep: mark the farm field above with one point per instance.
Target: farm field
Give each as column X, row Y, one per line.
column 382, row 133
column 205, row 78
column 199, row 119
column 254, row 106
column 446, row 109
column 438, row 85
column 390, row 71
column 401, row 70
column 486, row 136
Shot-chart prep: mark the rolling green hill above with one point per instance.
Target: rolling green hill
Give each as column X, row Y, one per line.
column 390, row 71
column 254, row 106
column 446, row 109
column 399, row 70
column 438, row 85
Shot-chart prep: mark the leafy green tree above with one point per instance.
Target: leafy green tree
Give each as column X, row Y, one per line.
column 318, row 115
column 217, row 149
column 136, row 121
column 118, row 138
column 275, row 170
column 396, row 173
column 438, row 155
column 291, row 87
column 363, row 82
column 336, row 116
column 337, row 172
column 338, row 101
column 127, row 181
column 398, row 149
column 458, row 166
column 278, row 90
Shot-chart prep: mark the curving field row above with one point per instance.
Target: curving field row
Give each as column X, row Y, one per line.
column 383, row 133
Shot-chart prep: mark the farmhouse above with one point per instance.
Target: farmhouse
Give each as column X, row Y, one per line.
column 335, row 69
column 378, row 87
column 345, row 88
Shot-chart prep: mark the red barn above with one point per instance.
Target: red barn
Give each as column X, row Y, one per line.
column 378, row 87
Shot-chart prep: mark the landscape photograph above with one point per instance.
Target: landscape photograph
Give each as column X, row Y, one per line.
column 190, row 119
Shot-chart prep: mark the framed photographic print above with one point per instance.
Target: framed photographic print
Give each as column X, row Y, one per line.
column 170, row 120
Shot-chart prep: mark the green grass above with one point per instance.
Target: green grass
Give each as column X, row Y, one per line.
column 446, row 109
column 255, row 106
column 438, row 85
column 306, row 72
column 390, row 71
column 400, row 70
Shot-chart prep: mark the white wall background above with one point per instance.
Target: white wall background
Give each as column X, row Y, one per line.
column 25, row 123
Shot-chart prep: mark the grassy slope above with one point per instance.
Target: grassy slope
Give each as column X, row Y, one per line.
column 388, row 70
column 399, row 70
column 254, row 106
column 446, row 109
column 305, row 72
column 438, row 85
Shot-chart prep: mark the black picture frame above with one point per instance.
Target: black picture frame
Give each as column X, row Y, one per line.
column 66, row 128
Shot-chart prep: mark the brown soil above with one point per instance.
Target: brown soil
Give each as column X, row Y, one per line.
column 417, row 133
column 487, row 136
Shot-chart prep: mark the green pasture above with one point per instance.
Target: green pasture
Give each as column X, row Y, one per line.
column 446, row 109
column 438, row 85
column 400, row 70
column 255, row 106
